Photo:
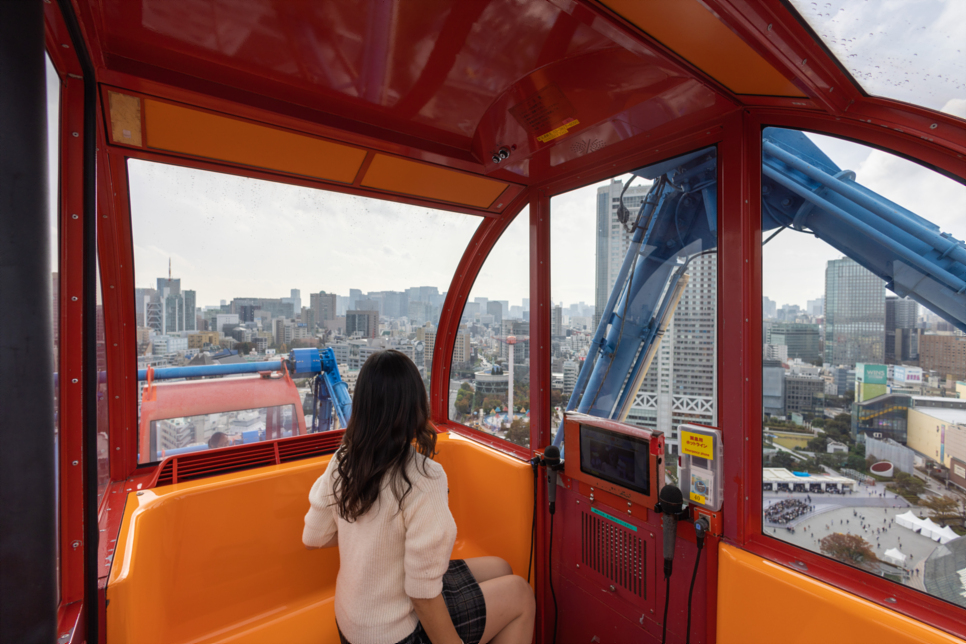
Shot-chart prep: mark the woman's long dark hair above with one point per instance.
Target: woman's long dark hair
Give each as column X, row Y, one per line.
column 390, row 413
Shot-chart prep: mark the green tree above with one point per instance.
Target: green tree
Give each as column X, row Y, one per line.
column 519, row 432
column 942, row 508
column 908, row 485
column 849, row 548
column 783, row 459
column 855, row 462
column 817, row 444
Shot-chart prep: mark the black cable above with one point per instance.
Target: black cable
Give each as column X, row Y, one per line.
column 773, row 235
column 694, row 576
column 667, row 601
column 550, row 577
column 533, row 523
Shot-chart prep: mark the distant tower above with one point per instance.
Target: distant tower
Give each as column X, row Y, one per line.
column 511, row 340
column 169, row 268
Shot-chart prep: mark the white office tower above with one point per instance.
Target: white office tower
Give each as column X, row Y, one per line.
column 680, row 386
column 612, row 238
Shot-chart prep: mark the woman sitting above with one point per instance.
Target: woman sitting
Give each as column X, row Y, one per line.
column 384, row 502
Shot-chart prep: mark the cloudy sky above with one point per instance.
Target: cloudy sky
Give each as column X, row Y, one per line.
column 230, row 237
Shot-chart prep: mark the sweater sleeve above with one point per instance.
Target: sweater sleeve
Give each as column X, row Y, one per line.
column 430, row 533
column 320, row 525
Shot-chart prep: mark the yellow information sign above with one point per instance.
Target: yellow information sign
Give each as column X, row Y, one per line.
column 697, row 445
column 697, row 498
column 557, row 132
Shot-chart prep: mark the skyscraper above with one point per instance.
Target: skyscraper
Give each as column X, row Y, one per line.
column 900, row 314
column 682, row 381
column 612, row 239
column 854, row 314
column 324, row 305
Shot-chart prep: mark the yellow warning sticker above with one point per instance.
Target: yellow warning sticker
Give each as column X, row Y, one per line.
column 697, row 498
column 557, row 132
column 697, row 445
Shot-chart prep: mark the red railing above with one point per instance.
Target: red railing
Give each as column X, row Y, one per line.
column 195, row 465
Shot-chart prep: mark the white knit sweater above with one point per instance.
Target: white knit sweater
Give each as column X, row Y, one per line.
column 386, row 556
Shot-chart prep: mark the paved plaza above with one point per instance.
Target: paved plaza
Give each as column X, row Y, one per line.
column 866, row 513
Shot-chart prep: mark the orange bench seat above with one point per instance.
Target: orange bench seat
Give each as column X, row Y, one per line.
column 221, row 559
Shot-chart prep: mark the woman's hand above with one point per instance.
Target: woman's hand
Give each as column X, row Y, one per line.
column 434, row 616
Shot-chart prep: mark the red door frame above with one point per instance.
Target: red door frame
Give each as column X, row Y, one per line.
column 747, row 275
column 71, row 546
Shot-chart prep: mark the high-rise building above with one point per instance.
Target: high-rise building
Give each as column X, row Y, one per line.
column 556, row 322
column 944, row 354
column 682, row 381
column 190, row 312
column 324, row 305
column 769, row 308
column 364, row 322
column 900, row 314
column 801, row 339
column 854, row 314
column 612, row 238
column 462, row 351
column 496, row 310
column 571, row 369
column 815, row 308
column 295, row 299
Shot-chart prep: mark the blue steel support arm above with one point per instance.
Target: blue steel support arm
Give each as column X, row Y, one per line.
column 802, row 189
column 338, row 390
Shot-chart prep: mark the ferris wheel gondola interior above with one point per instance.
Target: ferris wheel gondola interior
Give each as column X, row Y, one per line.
column 685, row 281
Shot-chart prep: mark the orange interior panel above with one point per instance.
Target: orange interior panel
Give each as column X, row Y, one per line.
column 189, row 131
column 761, row 601
column 221, row 559
column 689, row 29
column 432, row 182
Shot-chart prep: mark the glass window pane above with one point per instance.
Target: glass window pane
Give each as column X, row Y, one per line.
column 864, row 358
column 493, row 345
column 914, row 51
column 232, row 270
column 656, row 380
column 53, row 205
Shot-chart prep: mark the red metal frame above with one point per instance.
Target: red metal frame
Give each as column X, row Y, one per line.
column 918, row 605
column 788, row 44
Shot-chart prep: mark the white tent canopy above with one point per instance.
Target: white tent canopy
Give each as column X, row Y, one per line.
column 926, row 527
column 894, row 556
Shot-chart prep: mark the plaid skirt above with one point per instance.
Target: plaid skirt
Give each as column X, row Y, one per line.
column 464, row 600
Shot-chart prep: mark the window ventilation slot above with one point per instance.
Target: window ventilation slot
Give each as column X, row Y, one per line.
column 196, row 465
column 616, row 553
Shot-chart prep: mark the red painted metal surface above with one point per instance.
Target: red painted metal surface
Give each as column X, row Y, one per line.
column 200, row 397
column 480, row 245
column 196, row 465
column 441, row 93
column 70, row 348
column 747, row 473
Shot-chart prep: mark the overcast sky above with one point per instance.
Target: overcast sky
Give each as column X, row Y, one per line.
column 230, row 237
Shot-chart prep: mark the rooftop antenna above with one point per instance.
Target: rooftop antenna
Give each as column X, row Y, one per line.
column 169, row 269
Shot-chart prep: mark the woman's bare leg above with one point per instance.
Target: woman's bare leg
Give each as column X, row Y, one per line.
column 484, row 568
column 510, row 610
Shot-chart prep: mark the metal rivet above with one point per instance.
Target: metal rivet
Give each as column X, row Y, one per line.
column 112, row 286
column 65, row 47
column 73, row 299
column 74, row 217
column 769, row 26
column 578, row 565
column 115, row 344
column 74, row 380
column 76, row 544
column 891, row 600
column 804, row 60
column 931, row 127
column 73, row 462
column 117, row 449
column 74, row 134
column 140, row 493
column 117, row 397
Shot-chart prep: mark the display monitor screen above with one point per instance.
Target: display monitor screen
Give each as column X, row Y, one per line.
column 618, row 458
